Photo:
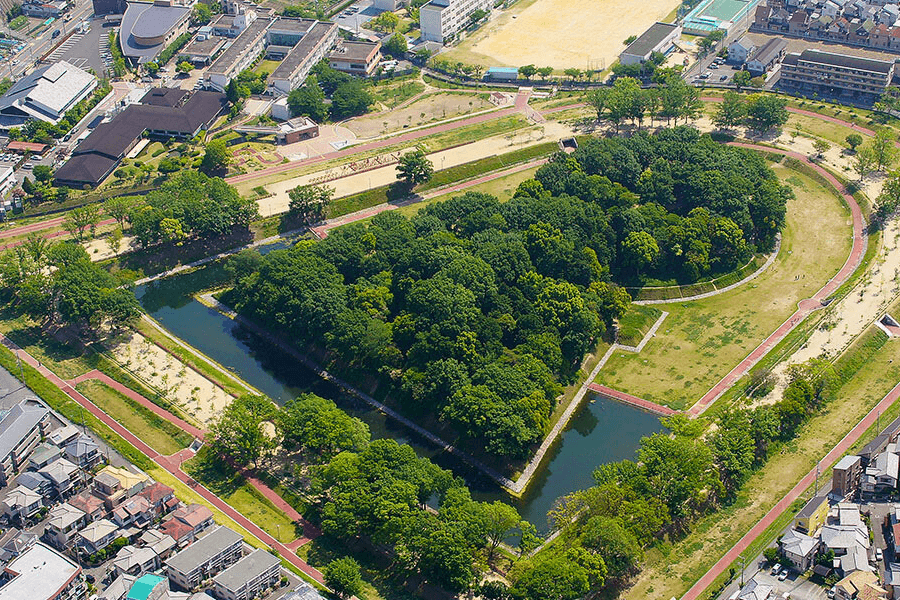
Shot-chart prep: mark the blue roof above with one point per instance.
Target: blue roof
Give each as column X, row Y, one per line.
column 503, row 70
column 141, row 588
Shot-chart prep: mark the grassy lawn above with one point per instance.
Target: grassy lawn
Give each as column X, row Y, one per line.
column 392, row 95
column 635, row 323
column 58, row 357
column 267, row 66
column 701, row 341
column 234, row 490
column 162, row 436
column 671, row 569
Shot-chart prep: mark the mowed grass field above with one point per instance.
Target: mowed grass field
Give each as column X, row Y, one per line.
column 701, row 341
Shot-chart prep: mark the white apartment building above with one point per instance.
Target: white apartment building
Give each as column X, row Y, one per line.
column 442, row 19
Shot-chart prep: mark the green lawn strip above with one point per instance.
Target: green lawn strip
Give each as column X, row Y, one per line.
column 469, row 170
column 636, row 322
column 191, row 358
column 702, row 340
column 394, row 95
column 233, row 489
column 676, row 567
column 161, row 435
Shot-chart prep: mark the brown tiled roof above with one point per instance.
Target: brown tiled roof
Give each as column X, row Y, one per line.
column 176, row 529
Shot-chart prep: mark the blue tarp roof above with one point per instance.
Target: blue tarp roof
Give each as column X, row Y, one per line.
column 503, row 70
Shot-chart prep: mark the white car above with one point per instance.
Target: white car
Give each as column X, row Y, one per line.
column 878, row 554
column 776, row 569
column 783, row 575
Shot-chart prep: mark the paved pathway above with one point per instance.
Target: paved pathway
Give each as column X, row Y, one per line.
column 172, row 464
column 723, row 563
column 608, row 392
column 158, row 410
column 804, row 307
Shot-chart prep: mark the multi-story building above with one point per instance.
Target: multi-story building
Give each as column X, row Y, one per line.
column 147, row 28
column 313, row 45
column 239, row 56
column 206, row 557
column 440, row 20
column 247, row 578
column 40, row 573
column 64, row 522
column 97, row 536
column 355, row 58
column 837, row 76
column 21, row 428
column 846, row 477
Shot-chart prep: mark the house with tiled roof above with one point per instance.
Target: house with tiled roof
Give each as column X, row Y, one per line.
column 161, row 497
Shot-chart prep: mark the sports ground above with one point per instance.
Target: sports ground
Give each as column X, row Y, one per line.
column 710, row 15
column 584, row 34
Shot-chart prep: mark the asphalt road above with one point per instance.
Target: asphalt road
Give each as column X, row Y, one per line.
column 39, row 46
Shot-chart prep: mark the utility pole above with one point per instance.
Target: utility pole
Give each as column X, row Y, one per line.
column 743, row 560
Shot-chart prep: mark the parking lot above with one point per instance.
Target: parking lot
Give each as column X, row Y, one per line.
column 356, row 16
column 716, row 72
column 87, row 50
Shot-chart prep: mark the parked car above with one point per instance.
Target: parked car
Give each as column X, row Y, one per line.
column 55, row 34
column 783, row 575
column 776, row 569
column 723, row 77
column 878, row 554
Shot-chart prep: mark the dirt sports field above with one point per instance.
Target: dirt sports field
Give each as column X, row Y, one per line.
column 585, row 34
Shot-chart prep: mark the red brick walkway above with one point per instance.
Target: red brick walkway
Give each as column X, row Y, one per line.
column 608, row 392
column 173, row 465
column 804, row 307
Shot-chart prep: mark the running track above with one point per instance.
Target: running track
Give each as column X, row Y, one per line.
column 835, row 453
column 172, row 464
column 804, row 307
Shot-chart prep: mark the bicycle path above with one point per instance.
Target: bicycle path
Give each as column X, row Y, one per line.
column 804, row 307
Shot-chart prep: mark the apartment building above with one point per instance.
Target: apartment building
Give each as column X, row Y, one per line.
column 440, row 20
column 40, row 573
column 846, row 477
column 206, row 557
column 21, row 428
column 837, row 76
column 312, row 47
column 239, row 56
column 247, row 578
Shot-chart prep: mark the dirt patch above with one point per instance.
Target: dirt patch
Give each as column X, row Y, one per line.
column 196, row 395
column 436, row 107
column 585, row 34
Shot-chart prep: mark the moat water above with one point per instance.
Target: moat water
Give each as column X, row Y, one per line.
column 601, row 431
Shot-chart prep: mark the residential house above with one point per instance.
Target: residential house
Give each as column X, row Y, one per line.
column 755, row 590
column 813, row 515
column 846, row 477
column 21, row 429
column 108, row 489
column 64, row 477
column 211, row 554
column 21, row 504
column 859, row 585
column 41, row 573
column 799, row 548
column 15, row 543
column 181, row 532
column 90, row 504
column 196, row 516
column 740, row 50
column 35, row 482
column 97, row 536
column 161, row 543
column 134, row 560
column 84, row 452
column 881, row 474
column 303, row 592
column 249, row 577
column 161, row 498
column 63, row 436
column 63, row 523
column 133, row 512
column 892, row 579
column 43, row 455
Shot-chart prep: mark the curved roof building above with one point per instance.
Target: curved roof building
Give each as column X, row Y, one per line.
column 147, row 28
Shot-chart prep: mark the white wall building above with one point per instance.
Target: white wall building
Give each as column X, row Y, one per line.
column 442, row 19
